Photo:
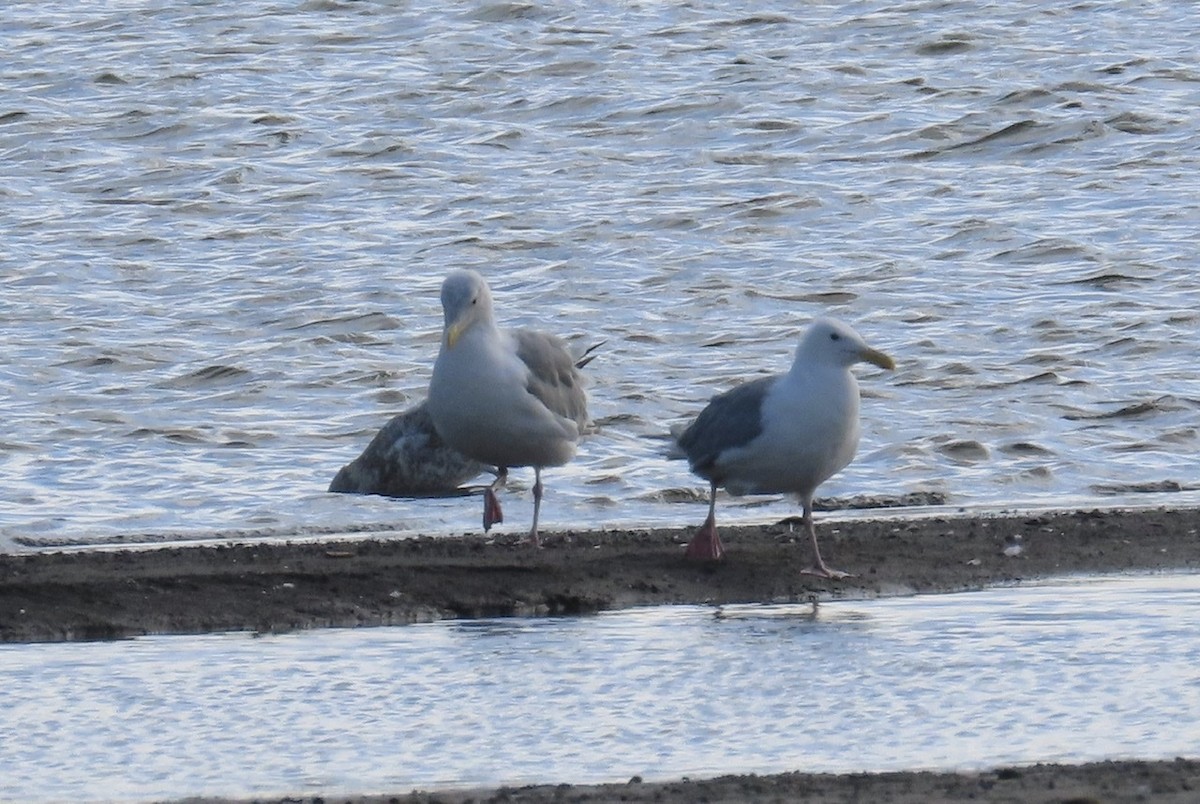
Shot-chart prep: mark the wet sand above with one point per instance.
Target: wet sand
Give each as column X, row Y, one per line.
column 272, row 587
column 111, row 594
column 1173, row 782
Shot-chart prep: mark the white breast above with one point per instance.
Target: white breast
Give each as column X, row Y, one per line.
column 810, row 432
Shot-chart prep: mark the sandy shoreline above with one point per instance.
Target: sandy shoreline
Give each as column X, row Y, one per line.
column 112, row 594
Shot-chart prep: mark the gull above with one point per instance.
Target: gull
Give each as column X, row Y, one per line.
column 503, row 397
column 407, row 458
column 787, row 433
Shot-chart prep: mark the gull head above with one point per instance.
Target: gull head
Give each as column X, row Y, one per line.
column 830, row 341
column 466, row 301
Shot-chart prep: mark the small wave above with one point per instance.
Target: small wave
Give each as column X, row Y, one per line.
column 208, row 375
column 1048, row 249
column 158, row 131
column 178, row 435
column 1109, row 280
column 761, row 18
column 1141, row 124
column 356, row 323
column 1041, row 377
column 1160, row 405
column 1026, row 448
column 502, row 12
column 676, row 495
column 97, row 361
column 110, row 78
column 946, row 46
column 1010, row 131
column 1147, row 487
column 965, row 450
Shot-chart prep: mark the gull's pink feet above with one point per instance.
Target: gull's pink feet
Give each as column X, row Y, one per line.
column 825, row 572
column 491, row 509
column 819, row 569
column 706, row 544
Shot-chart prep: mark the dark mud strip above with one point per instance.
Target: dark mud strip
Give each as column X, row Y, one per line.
column 1119, row 782
column 112, row 594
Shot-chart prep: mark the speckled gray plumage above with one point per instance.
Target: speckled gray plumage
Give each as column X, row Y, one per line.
column 407, row 458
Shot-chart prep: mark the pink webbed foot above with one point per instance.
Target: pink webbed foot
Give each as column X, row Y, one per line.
column 706, row 544
column 492, row 514
column 825, row 572
column 819, row 568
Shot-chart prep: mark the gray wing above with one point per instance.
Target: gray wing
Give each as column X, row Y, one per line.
column 554, row 379
column 732, row 419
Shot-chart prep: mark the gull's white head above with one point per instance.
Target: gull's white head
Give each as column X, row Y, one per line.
column 466, row 301
column 830, row 341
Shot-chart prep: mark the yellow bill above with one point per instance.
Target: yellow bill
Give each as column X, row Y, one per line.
column 878, row 358
column 455, row 331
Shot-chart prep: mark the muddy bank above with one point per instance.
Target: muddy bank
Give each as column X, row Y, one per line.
column 279, row 587
column 1125, row 782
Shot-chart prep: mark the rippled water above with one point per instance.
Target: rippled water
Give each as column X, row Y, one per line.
column 1069, row 671
column 224, row 227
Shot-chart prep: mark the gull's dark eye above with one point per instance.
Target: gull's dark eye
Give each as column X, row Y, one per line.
column 474, row 301
column 833, row 336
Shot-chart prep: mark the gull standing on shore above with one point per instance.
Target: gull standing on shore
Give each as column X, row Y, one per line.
column 505, row 398
column 786, row 433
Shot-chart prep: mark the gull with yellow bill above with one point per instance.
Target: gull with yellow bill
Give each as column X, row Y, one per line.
column 503, row 397
column 787, row 433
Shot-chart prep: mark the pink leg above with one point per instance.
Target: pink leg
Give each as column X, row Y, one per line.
column 706, row 544
column 492, row 513
column 819, row 568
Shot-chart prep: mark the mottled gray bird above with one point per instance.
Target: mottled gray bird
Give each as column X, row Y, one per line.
column 407, row 458
column 506, row 398
column 786, row 433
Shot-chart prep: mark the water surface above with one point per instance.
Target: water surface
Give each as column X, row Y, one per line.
column 1067, row 671
column 224, row 227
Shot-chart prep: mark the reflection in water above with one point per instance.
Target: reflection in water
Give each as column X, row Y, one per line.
column 1043, row 672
